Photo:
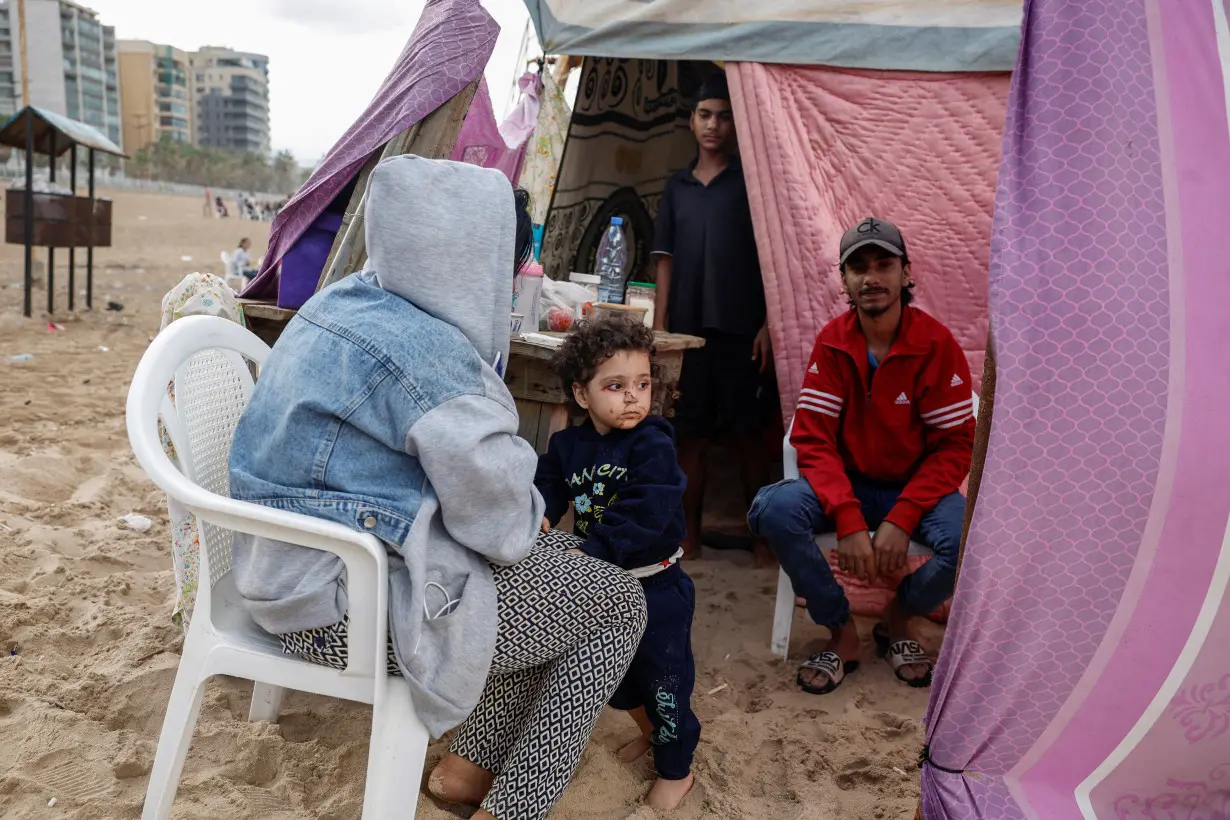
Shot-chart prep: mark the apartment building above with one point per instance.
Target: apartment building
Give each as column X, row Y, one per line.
column 71, row 60
column 231, row 99
column 156, row 93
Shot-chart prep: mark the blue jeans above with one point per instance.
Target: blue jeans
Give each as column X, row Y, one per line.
column 788, row 515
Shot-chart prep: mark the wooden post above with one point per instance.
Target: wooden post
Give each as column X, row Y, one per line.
column 28, row 207
column 89, row 251
column 433, row 137
column 72, row 251
column 51, row 252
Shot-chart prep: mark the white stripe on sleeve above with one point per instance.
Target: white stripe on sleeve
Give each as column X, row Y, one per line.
column 943, row 411
column 959, row 415
column 962, row 420
column 818, row 408
column 837, row 400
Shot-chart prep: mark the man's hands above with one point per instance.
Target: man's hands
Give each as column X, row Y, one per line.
column 864, row 559
column 891, row 545
column 762, row 348
column 855, row 555
column 546, row 525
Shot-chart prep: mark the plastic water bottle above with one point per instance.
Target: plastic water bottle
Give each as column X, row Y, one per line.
column 612, row 261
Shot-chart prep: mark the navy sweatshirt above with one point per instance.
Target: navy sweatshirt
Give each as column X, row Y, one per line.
column 626, row 489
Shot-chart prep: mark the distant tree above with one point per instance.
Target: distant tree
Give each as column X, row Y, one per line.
column 171, row 161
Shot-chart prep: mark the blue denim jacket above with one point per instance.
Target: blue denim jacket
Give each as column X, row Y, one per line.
column 379, row 409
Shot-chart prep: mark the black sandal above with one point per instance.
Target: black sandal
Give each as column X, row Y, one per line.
column 831, row 664
column 902, row 653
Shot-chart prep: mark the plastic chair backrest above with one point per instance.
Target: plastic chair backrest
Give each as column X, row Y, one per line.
column 211, row 392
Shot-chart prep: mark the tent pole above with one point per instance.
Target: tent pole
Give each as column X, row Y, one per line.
column 982, row 435
column 51, row 252
column 28, row 211
column 89, row 250
column 72, row 249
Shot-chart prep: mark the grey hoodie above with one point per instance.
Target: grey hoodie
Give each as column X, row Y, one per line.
column 379, row 408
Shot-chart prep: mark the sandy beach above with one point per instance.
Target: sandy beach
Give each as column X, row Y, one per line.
column 90, row 652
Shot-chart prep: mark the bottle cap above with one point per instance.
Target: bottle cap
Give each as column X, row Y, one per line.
column 617, row 220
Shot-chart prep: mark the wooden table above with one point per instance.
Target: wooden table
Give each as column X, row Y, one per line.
column 542, row 403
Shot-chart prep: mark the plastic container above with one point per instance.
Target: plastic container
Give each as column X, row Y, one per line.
column 591, row 281
column 611, row 263
column 642, row 294
column 527, row 287
column 604, row 309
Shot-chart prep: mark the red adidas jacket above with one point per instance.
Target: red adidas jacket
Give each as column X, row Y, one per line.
column 915, row 424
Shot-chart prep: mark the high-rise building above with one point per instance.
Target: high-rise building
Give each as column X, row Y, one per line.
column 156, row 93
column 231, row 99
column 71, row 62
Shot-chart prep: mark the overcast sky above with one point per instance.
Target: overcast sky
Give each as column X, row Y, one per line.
column 326, row 57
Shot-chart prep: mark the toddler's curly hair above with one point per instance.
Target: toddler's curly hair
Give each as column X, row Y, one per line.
column 593, row 341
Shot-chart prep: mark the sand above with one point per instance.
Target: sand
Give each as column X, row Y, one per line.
column 89, row 650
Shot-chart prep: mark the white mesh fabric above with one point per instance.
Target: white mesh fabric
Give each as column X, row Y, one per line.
column 210, row 397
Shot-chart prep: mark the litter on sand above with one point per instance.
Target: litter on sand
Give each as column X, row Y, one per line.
column 136, row 522
column 21, row 357
column 104, row 348
column 51, row 803
column 185, row 259
column 717, row 689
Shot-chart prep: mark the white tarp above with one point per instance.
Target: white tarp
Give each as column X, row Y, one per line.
column 921, row 35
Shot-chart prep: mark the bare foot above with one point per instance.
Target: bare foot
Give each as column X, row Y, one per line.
column 899, row 630
column 457, row 780
column 668, row 794
column 634, row 751
column 691, row 549
column 762, row 556
column 845, row 643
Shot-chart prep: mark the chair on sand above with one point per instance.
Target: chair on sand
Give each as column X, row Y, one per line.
column 232, row 277
column 208, row 357
column 783, row 609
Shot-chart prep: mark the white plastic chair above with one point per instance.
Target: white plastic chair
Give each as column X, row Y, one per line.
column 232, row 277
column 784, row 607
column 208, row 358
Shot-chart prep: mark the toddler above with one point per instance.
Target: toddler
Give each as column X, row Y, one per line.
column 619, row 472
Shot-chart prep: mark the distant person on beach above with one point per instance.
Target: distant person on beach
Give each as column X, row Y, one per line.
column 241, row 259
column 618, row 473
column 221, row 207
column 708, row 284
column 884, row 431
column 383, row 408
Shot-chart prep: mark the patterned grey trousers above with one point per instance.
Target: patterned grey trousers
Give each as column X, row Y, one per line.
column 568, row 628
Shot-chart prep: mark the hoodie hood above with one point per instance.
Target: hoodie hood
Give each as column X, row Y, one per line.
column 442, row 236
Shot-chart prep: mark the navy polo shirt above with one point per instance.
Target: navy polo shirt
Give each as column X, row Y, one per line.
column 715, row 274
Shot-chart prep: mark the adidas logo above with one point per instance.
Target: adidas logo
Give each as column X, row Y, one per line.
column 815, row 371
column 956, row 381
column 902, row 399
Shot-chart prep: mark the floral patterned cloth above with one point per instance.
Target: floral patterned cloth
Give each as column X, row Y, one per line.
column 545, row 148
column 199, row 294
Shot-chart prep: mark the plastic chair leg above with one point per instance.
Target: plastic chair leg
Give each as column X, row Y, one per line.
column 266, row 702
column 783, row 616
column 177, row 727
column 395, row 758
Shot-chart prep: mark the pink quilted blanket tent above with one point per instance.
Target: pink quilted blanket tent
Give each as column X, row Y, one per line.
column 1086, row 668
column 824, row 147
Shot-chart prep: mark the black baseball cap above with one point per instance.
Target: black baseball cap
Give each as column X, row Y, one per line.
column 872, row 231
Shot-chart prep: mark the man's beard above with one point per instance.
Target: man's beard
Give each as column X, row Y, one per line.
column 874, row 312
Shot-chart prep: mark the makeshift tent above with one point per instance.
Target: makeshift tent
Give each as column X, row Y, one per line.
column 1084, row 672
column 446, row 53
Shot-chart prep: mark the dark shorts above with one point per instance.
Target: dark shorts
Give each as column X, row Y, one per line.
column 720, row 389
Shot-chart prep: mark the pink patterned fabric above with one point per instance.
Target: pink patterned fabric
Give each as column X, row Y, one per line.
column 825, row 147
column 1084, row 669
column 481, row 141
column 448, row 49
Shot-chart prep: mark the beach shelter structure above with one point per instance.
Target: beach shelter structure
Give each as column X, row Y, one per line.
column 1086, row 668
column 1084, row 672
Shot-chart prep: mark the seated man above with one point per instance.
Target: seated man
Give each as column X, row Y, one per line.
column 884, row 432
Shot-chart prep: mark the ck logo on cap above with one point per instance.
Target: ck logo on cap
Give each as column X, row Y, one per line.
column 871, row 225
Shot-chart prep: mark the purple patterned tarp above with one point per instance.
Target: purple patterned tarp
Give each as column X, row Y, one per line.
column 449, row 47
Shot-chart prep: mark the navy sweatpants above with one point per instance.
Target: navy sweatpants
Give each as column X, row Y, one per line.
column 663, row 673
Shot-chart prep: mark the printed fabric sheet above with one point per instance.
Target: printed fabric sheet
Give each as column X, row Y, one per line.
column 1086, row 668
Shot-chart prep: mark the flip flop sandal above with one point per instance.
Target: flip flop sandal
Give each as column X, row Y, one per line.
column 902, row 653
column 831, row 664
